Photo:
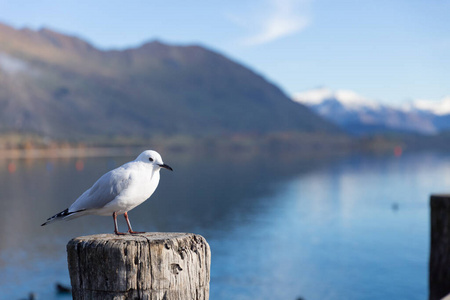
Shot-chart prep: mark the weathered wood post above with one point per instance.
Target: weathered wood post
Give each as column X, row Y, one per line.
column 439, row 265
column 144, row 266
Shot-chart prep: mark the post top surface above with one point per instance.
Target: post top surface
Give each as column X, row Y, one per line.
column 440, row 195
column 147, row 236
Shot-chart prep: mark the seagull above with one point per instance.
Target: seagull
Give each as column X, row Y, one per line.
column 118, row 191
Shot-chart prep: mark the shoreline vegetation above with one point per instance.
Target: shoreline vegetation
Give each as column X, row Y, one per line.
column 18, row 146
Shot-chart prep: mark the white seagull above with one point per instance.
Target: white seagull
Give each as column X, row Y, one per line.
column 118, row 191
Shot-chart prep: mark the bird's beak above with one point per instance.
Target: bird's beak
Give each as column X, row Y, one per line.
column 166, row 167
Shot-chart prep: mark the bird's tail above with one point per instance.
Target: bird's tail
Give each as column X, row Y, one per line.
column 65, row 214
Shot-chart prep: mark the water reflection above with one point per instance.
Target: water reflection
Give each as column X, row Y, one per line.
column 278, row 228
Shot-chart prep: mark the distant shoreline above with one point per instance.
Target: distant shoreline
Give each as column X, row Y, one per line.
column 16, row 146
column 66, row 152
column 286, row 144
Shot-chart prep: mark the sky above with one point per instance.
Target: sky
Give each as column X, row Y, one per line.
column 391, row 51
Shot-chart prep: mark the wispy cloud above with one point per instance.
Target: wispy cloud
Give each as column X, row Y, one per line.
column 276, row 19
column 12, row 65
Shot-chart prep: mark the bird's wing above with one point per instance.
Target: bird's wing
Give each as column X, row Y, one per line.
column 105, row 190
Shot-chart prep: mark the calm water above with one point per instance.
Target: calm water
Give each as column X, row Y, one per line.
column 344, row 228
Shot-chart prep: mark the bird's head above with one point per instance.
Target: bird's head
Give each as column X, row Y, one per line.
column 153, row 158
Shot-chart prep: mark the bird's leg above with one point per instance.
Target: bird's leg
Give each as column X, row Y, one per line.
column 116, row 231
column 130, row 230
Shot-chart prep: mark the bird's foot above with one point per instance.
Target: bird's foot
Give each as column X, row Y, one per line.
column 135, row 232
column 119, row 233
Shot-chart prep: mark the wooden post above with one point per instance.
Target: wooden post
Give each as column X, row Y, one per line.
column 144, row 266
column 439, row 266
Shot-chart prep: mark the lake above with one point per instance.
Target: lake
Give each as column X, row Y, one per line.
column 353, row 227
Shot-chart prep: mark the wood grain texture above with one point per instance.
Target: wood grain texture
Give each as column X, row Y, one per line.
column 144, row 266
column 439, row 265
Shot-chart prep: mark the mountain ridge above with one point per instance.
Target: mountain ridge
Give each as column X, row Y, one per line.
column 62, row 86
column 359, row 115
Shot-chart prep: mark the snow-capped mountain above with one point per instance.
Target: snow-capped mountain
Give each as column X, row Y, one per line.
column 359, row 115
column 437, row 111
column 438, row 108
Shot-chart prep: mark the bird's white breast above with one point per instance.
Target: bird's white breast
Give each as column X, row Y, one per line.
column 143, row 182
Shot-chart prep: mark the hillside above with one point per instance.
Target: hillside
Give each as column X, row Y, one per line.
column 60, row 86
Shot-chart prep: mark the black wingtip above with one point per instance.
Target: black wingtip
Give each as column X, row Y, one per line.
column 58, row 215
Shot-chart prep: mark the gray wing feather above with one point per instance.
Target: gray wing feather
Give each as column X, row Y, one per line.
column 105, row 190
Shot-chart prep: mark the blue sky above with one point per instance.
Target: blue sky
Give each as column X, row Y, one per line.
column 391, row 51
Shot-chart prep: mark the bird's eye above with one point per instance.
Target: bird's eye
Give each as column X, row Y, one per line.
column 150, row 159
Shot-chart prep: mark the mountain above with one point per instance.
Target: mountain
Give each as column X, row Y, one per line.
column 360, row 116
column 438, row 112
column 61, row 86
column 438, row 108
